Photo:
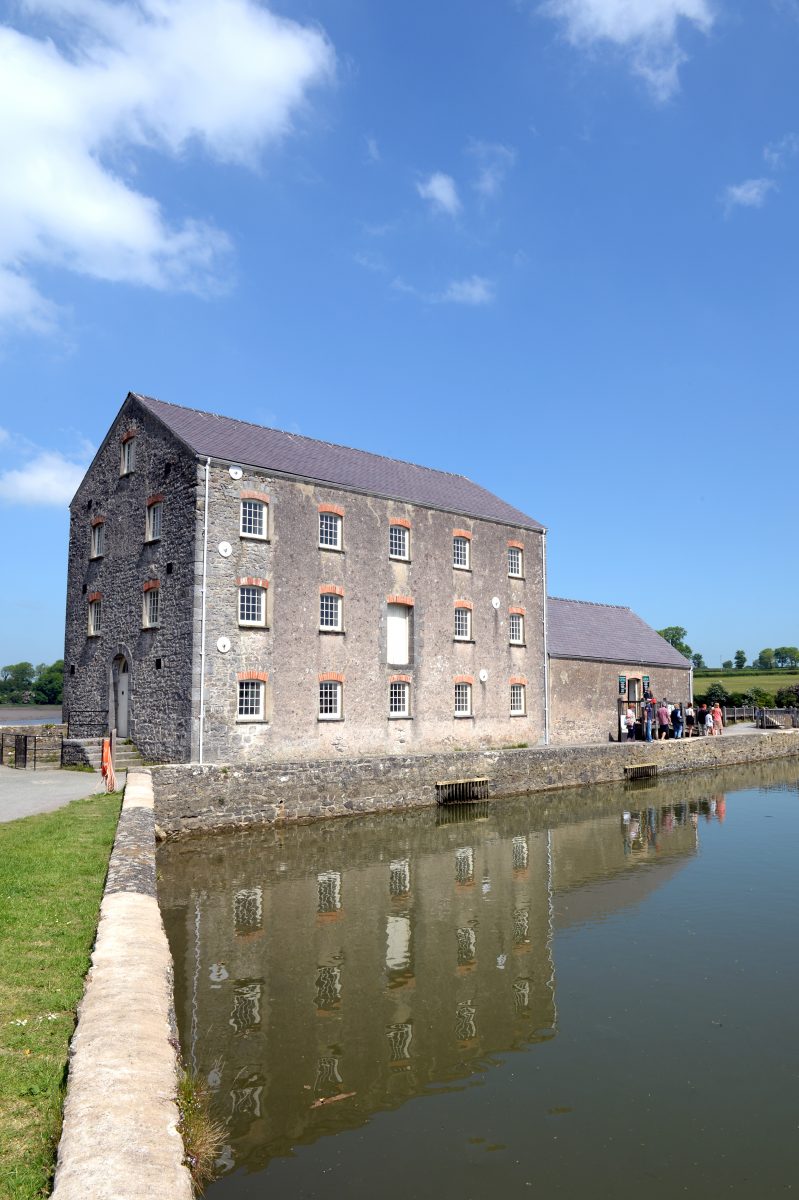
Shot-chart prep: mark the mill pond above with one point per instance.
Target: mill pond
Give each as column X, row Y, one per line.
column 591, row 992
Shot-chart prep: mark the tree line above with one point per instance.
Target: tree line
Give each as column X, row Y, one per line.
column 23, row 683
column 768, row 659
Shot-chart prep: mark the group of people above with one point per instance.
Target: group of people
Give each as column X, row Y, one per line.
column 687, row 721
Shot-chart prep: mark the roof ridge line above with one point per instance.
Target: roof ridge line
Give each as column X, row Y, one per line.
column 593, row 603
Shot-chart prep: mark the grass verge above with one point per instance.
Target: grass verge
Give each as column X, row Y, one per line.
column 52, row 872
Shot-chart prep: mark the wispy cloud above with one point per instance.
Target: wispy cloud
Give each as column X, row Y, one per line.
column 752, row 193
column 473, row 291
column 370, row 261
column 440, row 190
column 778, row 154
column 647, row 31
column 107, row 77
column 46, row 478
column 372, row 150
column 494, row 160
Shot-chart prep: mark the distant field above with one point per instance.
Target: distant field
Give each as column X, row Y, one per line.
column 737, row 681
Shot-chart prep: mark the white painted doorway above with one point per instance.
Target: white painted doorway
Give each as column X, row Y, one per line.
column 120, row 690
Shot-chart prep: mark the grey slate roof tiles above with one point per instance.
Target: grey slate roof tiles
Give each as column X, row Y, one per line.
column 580, row 629
column 214, row 436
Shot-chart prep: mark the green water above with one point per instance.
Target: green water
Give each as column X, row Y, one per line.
column 589, row 993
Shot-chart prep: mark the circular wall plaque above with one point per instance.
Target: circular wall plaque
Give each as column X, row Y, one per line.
column 225, row 549
column 223, row 645
column 236, row 472
column 484, row 676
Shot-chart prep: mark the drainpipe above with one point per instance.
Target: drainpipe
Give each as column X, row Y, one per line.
column 202, row 618
column 544, row 631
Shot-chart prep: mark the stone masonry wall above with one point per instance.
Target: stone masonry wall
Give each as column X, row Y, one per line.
column 584, row 696
column 216, row 797
column 160, row 659
column 293, row 653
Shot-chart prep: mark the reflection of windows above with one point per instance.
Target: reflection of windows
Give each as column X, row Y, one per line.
column 398, row 943
column 467, row 946
column 399, row 879
column 464, row 865
column 328, row 987
column 248, row 910
column 521, row 926
column 465, row 1021
column 399, row 1041
column 328, row 1075
column 521, row 994
column 329, row 885
column 246, row 1101
column 521, row 853
column 246, row 1012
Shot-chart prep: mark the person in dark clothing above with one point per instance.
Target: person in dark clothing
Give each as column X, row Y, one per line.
column 676, row 721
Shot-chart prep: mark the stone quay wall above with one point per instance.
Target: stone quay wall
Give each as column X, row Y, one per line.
column 191, row 797
column 120, row 1134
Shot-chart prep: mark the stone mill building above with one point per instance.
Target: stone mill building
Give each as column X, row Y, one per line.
column 236, row 593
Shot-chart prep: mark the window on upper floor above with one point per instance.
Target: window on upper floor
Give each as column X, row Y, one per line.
column 155, row 512
column 95, row 617
column 463, row 624
column 517, row 700
column 252, row 605
column 331, row 608
column 515, row 562
column 127, row 462
column 98, row 540
column 253, row 519
column 399, row 699
column 330, row 531
column 398, row 542
column 461, row 552
column 463, row 699
column 398, row 634
column 330, row 708
column 251, row 700
column 516, row 629
column 151, row 609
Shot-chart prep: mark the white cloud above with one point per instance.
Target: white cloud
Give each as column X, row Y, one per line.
column 777, row 154
column 372, row 150
column 4, row 435
column 752, row 193
column 475, row 290
column 494, row 161
column 647, row 30
column 225, row 77
column 442, row 193
column 49, row 478
column 370, row 261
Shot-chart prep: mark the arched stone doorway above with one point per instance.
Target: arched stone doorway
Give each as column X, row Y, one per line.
column 120, row 696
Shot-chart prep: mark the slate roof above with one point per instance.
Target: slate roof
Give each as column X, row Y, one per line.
column 214, row 436
column 608, row 632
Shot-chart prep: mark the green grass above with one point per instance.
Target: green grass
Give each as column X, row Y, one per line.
column 737, row 681
column 52, row 872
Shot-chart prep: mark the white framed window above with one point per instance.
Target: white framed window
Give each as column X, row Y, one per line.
column 329, row 531
column 399, row 699
column 253, row 519
column 518, row 706
column 516, row 629
column 98, row 540
column 95, row 617
column 155, row 512
column 127, row 462
column 330, row 611
column 398, row 542
column 461, row 552
column 463, row 699
column 329, row 700
column 251, row 700
column 152, row 608
column 463, row 624
column 515, row 562
column 252, row 605
column 398, row 634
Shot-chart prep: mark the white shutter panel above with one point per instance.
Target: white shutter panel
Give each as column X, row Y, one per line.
column 398, row 627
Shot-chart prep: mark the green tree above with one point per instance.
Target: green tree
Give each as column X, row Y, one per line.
column 765, row 660
column 792, row 655
column 49, row 683
column 697, row 660
column 788, row 697
column 715, row 692
column 727, row 664
column 740, row 660
column 781, row 655
column 16, row 682
column 675, row 635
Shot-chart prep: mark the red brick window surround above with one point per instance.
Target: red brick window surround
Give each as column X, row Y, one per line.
column 522, row 679
column 262, row 496
column 263, row 676
column 93, row 597
column 154, row 517
column 399, row 539
column 151, row 608
column 251, row 688
column 463, row 695
column 330, row 589
column 98, row 521
column 331, row 689
column 518, row 696
column 461, row 549
column 97, row 549
column 516, row 560
column 463, row 679
column 254, row 515
column 252, row 600
column 399, row 679
column 331, row 608
column 516, row 626
column 399, row 697
column 463, row 621
column 408, row 601
column 331, row 525
column 336, row 509
column 150, row 584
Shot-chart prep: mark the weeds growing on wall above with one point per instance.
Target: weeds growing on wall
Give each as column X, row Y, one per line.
column 202, row 1135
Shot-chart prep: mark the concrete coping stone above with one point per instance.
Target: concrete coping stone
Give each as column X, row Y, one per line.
column 120, row 1138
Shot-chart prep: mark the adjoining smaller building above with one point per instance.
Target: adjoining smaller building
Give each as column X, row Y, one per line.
column 602, row 658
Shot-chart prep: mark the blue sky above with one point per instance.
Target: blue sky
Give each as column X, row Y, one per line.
column 552, row 246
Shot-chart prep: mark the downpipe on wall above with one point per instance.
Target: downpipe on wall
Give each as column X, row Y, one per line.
column 544, row 631
column 202, row 617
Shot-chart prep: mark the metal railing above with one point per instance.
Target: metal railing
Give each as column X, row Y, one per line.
column 48, row 749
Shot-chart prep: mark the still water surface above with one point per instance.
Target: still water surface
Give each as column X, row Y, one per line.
column 591, row 993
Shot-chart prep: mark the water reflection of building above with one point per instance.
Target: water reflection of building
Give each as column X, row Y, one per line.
column 327, row 972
